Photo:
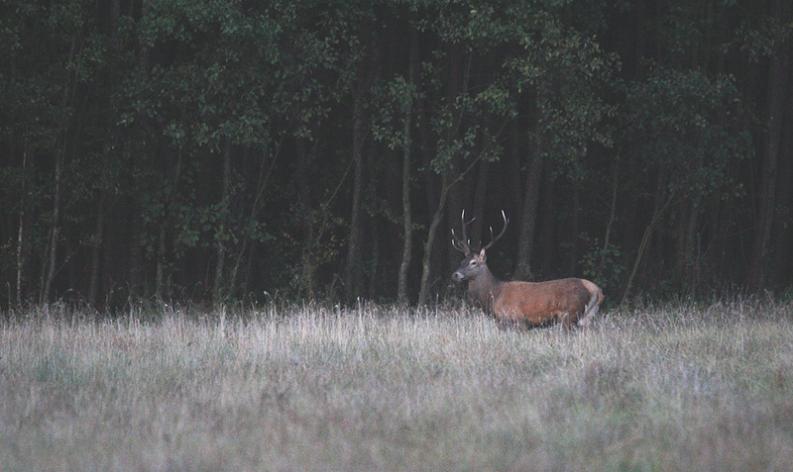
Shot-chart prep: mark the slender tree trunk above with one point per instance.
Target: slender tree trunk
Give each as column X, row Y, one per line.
column 108, row 254
column 575, row 229
column 162, row 273
column 115, row 12
column 688, row 246
column 375, row 264
column 407, row 222
column 352, row 266
column 220, row 248
column 455, row 201
column 367, row 73
column 159, row 273
column 687, row 262
column 407, row 142
column 308, row 267
column 548, row 229
column 246, row 280
column 60, row 157
column 513, row 165
column 55, row 228
column 531, row 198
column 459, row 69
column 615, row 181
column 778, row 88
column 658, row 213
column 645, row 241
column 437, row 217
column 783, row 233
column 136, row 287
column 266, row 168
column 446, row 184
column 96, row 251
column 480, row 195
column 715, row 252
column 21, row 229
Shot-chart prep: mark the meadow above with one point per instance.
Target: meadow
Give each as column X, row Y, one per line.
column 675, row 387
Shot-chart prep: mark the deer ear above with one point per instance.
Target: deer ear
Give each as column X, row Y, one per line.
column 482, row 254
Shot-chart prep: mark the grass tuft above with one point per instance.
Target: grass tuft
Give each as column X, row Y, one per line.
column 676, row 387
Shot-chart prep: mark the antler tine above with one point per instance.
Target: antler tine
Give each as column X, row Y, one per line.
column 493, row 239
column 462, row 244
column 462, row 222
column 458, row 244
column 465, row 224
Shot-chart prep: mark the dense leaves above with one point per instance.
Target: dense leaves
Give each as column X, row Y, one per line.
column 225, row 149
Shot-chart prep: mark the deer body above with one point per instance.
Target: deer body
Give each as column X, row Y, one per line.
column 569, row 301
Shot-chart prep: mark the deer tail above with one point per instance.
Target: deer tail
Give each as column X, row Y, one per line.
column 593, row 305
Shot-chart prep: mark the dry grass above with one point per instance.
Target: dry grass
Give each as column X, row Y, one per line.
column 673, row 388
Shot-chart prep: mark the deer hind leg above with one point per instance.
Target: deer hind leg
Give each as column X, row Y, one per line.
column 567, row 321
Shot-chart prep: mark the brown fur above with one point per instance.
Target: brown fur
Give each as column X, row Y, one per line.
column 539, row 303
column 536, row 303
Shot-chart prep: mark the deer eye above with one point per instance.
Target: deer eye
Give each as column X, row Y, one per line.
column 473, row 263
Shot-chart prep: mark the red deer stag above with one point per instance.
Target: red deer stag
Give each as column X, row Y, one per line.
column 569, row 301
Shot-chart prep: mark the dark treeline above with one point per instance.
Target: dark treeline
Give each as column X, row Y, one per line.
column 230, row 149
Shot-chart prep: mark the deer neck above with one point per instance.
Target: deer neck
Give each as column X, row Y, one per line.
column 484, row 288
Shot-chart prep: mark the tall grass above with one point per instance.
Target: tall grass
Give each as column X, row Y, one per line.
column 309, row 388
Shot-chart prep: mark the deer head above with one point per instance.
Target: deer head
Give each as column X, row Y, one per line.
column 474, row 263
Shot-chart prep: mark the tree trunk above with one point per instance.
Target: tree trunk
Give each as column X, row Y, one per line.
column 480, row 195
column 96, row 251
column 513, row 165
column 688, row 263
column 457, row 85
column 265, row 172
column 352, row 267
column 159, row 273
column 446, row 184
column 308, row 268
column 60, row 157
column 55, row 228
column 548, row 228
column 437, row 217
column 456, row 204
column 778, row 85
column 407, row 142
column 528, row 227
column 575, row 229
column 783, row 233
column 136, row 287
column 225, row 205
column 21, row 230
column 615, row 181
column 375, row 264
column 162, row 273
column 658, row 211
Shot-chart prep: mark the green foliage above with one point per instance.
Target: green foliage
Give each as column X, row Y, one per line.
column 391, row 101
column 604, row 264
column 689, row 124
column 192, row 132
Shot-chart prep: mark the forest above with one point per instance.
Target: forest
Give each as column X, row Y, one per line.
column 217, row 151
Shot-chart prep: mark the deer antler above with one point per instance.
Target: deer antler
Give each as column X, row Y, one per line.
column 493, row 239
column 463, row 245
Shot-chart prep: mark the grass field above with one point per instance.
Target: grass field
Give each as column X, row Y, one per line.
column 668, row 388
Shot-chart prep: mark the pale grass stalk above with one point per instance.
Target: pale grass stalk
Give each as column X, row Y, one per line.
column 675, row 387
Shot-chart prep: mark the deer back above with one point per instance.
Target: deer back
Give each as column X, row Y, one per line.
column 566, row 300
